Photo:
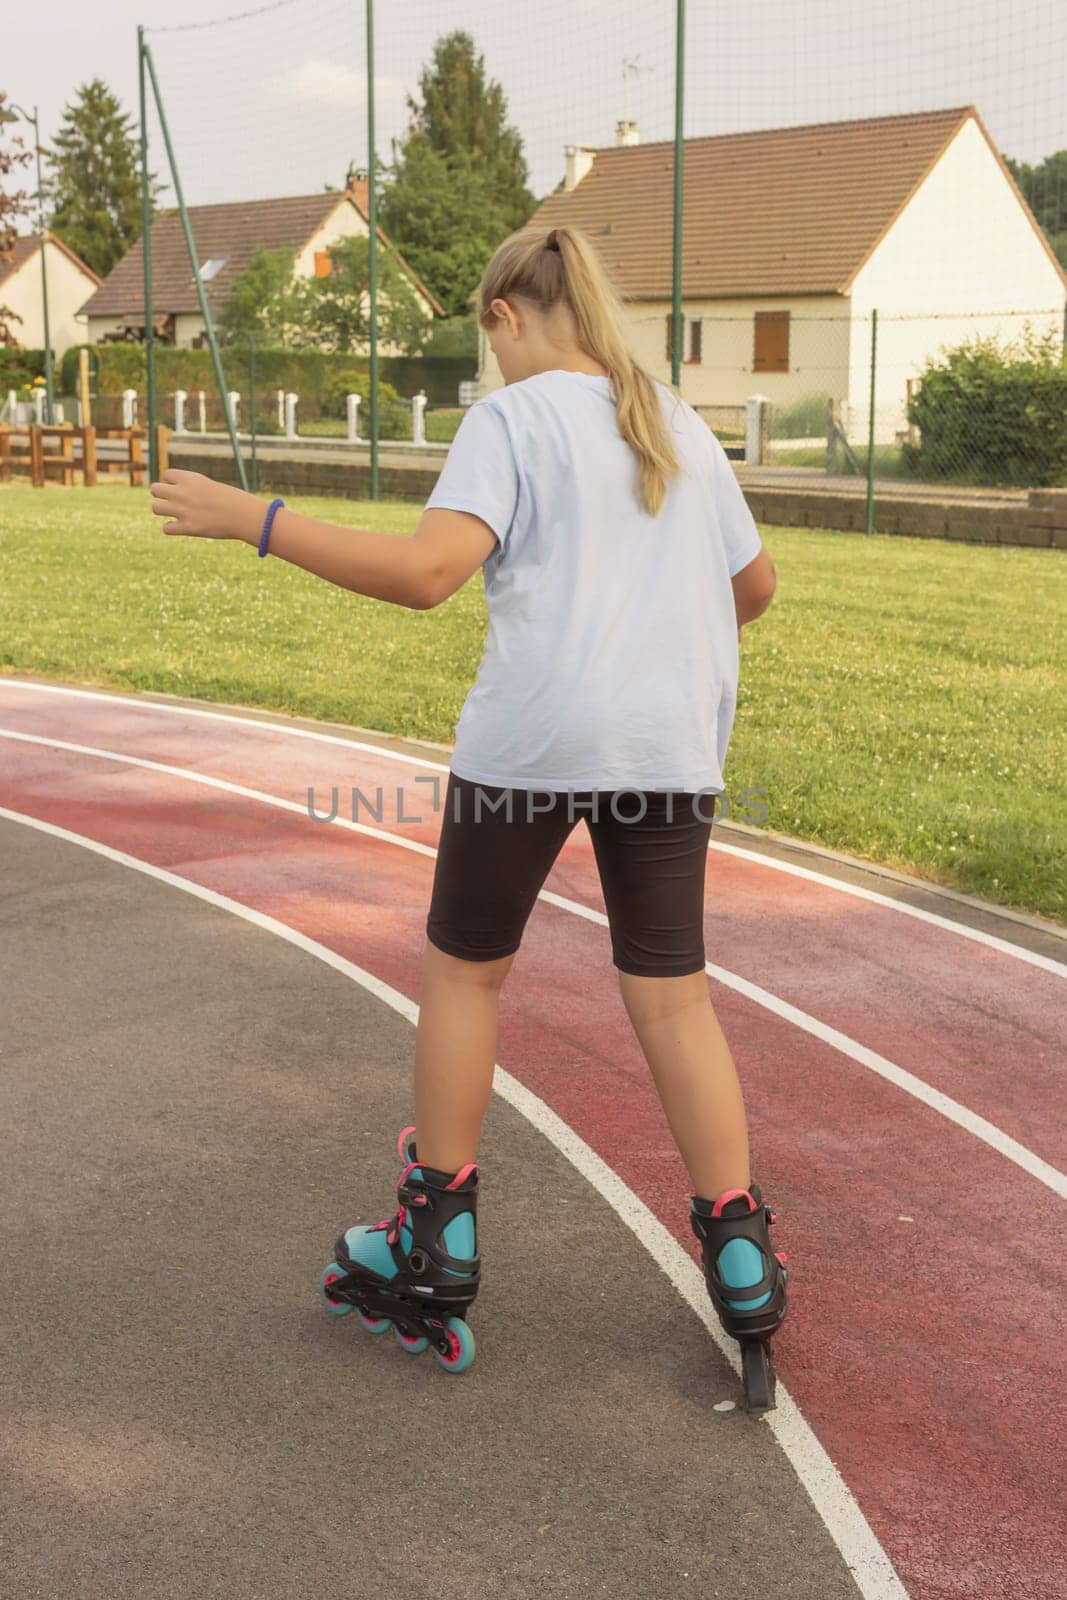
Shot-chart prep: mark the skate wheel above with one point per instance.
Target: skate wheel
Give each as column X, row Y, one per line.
column 757, row 1375
column 374, row 1324
column 332, row 1273
column 461, row 1346
column 414, row 1344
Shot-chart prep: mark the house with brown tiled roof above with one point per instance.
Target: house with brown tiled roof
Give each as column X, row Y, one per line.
column 226, row 236
column 22, row 292
column 793, row 236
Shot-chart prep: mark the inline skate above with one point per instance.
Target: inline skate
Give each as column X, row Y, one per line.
column 737, row 1256
column 417, row 1272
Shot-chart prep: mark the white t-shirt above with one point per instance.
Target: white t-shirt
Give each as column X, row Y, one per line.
column 611, row 660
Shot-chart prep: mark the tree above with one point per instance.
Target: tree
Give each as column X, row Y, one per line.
column 449, row 219
column 458, row 183
column 337, row 307
column 267, row 300
column 1044, row 188
column 13, row 206
column 263, row 302
column 95, row 187
column 464, row 114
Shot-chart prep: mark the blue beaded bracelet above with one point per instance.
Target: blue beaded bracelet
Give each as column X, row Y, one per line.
column 272, row 511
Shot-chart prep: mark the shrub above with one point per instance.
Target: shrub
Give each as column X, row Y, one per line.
column 994, row 415
column 19, row 367
column 394, row 414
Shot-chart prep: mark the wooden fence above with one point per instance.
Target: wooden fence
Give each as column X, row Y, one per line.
column 43, row 451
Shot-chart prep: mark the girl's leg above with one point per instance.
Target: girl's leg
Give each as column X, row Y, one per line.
column 653, row 861
column 494, row 855
column 455, row 1050
column 694, row 1074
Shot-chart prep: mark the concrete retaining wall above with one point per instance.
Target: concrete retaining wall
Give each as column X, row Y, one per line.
column 1038, row 519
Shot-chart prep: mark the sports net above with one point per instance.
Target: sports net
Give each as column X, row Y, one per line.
column 886, row 300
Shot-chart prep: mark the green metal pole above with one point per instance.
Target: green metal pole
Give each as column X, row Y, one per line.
column 870, row 426
column 252, row 410
column 146, row 254
column 49, row 374
column 679, row 156
column 194, row 259
column 372, row 218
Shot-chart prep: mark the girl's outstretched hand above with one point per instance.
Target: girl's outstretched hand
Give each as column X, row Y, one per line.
column 203, row 509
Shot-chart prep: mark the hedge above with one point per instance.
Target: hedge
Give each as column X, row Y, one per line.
column 307, row 373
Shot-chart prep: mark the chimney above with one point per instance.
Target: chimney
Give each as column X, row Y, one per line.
column 579, row 160
column 626, row 132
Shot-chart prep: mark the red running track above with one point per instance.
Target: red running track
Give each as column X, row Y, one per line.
column 922, row 1352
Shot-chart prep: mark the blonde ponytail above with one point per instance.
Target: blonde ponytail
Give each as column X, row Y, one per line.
column 560, row 266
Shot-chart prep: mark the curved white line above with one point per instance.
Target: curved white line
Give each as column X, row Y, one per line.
column 970, row 1121
column 977, row 935
column 847, row 1526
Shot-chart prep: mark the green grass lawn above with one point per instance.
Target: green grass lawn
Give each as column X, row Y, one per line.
column 902, row 700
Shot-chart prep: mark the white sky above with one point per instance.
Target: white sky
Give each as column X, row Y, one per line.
column 276, row 104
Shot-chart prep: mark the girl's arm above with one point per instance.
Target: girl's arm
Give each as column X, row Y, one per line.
column 448, row 547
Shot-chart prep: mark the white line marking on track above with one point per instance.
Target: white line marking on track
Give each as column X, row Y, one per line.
column 1033, row 958
column 978, row 935
column 970, row 1121
column 868, row 1563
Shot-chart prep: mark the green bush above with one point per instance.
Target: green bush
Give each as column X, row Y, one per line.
column 993, row 415
column 394, row 414
column 19, row 367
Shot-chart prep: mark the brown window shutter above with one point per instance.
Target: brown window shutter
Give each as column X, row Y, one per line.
column 323, row 264
column 670, row 327
column 697, row 346
column 771, row 342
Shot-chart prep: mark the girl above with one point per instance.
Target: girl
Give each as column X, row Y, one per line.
column 620, row 562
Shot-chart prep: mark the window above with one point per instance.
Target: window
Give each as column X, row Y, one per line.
column 771, row 342
column 210, row 269
column 692, row 339
column 323, row 264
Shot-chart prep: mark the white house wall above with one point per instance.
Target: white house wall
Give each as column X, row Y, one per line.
column 68, row 289
column 962, row 259
column 818, row 350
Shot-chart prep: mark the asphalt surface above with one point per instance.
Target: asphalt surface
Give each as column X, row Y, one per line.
column 191, row 1109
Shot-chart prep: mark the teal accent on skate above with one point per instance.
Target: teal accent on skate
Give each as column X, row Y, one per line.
column 458, row 1236
column 370, row 1250
column 741, row 1265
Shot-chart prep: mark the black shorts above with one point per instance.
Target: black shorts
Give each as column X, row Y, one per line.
column 498, row 845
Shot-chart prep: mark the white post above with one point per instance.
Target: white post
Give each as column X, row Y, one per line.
column 11, row 409
column 281, row 410
column 233, row 400
column 180, row 397
column 129, row 408
column 38, row 406
column 418, row 418
column 352, row 411
column 754, row 429
column 290, row 416
column 202, row 406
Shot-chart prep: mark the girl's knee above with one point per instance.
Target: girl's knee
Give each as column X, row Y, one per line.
column 451, row 968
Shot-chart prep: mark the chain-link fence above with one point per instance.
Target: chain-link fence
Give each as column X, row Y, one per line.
column 950, row 376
